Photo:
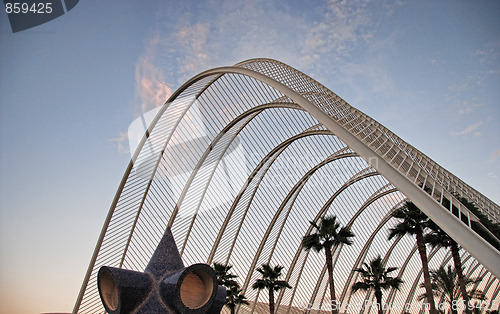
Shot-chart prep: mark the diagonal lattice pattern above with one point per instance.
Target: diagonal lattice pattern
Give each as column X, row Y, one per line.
column 241, row 158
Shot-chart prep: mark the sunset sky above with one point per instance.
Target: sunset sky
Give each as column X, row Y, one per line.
column 69, row 89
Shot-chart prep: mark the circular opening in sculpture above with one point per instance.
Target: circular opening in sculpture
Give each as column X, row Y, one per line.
column 109, row 291
column 196, row 289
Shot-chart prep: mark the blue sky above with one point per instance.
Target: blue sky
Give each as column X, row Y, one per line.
column 69, row 89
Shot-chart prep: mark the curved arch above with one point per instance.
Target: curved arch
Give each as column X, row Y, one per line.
column 336, row 250
column 288, row 202
column 245, row 118
column 377, row 195
column 290, row 197
column 413, row 290
column 257, row 255
column 366, row 247
column 248, row 85
column 461, row 233
column 260, row 171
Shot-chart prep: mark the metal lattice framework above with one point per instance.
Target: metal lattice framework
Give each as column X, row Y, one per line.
column 241, row 158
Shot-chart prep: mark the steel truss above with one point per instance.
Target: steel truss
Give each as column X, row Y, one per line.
column 240, row 159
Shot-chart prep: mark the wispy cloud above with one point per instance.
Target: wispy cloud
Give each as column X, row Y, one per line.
column 265, row 29
column 344, row 25
column 488, row 53
column 464, row 111
column 470, row 129
column 492, row 175
column 470, row 83
column 487, row 56
column 193, row 40
column 467, row 108
column 121, row 142
column 324, row 45
column 494, row 155
column 151, row 87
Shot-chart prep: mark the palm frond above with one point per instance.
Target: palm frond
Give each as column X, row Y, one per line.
column 270, row 278
column 375, row 275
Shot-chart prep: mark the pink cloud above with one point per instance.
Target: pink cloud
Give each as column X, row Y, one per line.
column 151, row 87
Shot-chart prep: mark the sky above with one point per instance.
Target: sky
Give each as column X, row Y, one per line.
column 69, row 89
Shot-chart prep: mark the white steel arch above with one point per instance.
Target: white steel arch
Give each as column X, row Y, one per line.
column 234, row 146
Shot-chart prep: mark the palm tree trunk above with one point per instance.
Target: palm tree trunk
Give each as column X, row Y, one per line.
column 233, row 309
column 271, row 300
column 329, row 266
column 378, row 296
column 425, row 269
column 461, row 279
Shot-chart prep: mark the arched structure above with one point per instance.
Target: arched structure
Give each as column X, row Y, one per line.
column 241, row 158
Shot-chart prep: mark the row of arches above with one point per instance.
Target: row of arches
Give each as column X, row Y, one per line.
column 238, row 162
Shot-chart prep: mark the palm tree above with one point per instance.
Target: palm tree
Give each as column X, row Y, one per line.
column 328, row 236
column 235, row 297
column 376, row 276
column 438, row 237
column 270, row 281
column 444, row 285
column 224, row 277
column 412, row 221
